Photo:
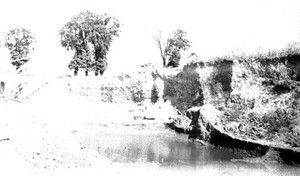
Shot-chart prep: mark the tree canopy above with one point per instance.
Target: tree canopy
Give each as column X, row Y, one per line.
column 20, row 43
column 90, row 36
column 170, row 50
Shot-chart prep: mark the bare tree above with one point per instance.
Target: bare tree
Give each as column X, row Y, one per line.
column 162, row 47
column 170, row 50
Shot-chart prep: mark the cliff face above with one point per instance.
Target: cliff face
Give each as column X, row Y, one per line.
column 259, row 98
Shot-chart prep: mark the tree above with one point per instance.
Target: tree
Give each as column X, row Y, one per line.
column 90, row 36
column 171, row 50
column 20, row 43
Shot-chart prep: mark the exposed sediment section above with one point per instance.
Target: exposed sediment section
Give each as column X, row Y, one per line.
column 251, row 105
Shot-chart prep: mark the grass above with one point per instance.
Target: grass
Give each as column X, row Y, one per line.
column 289, row 50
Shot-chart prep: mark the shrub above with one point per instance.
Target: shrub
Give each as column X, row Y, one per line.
column 154, row 94
column 184, row 89
column 278, row 121
column 137, row 92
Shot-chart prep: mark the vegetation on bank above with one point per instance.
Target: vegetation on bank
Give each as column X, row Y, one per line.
column 289, row 50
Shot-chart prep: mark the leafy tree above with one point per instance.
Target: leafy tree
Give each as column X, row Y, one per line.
column 90, row 36
column 20, row 42
column 170, row 51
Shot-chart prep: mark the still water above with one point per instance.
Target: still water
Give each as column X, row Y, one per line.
column 175, row 154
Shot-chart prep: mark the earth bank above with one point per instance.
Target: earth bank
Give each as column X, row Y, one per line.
column 251, row 104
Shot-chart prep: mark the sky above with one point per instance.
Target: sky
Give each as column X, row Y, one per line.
column 215, row 27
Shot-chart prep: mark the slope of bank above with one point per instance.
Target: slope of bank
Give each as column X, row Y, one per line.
column 41, row 134
column 257, row 97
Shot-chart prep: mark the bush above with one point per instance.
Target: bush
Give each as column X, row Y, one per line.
column 278, row 121
column 137, row 92
column 154, row 94
column 184, row 89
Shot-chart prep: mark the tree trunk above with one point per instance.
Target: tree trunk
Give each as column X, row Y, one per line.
column 19, row 70
column 96, row 73
column 86, row 72
column 164, row 62
column 2, row 87
column 75, row 71
column 101, row 72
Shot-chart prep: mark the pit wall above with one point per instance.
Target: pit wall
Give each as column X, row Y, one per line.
column 130, row 87
column 258, row 97
column 223, row 81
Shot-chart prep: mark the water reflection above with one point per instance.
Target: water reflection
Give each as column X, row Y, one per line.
column 173, row 152
column 158, row 148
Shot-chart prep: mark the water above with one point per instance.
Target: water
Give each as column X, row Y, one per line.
column 174, row 154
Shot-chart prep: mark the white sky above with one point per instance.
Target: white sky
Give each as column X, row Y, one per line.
column 215, row 27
